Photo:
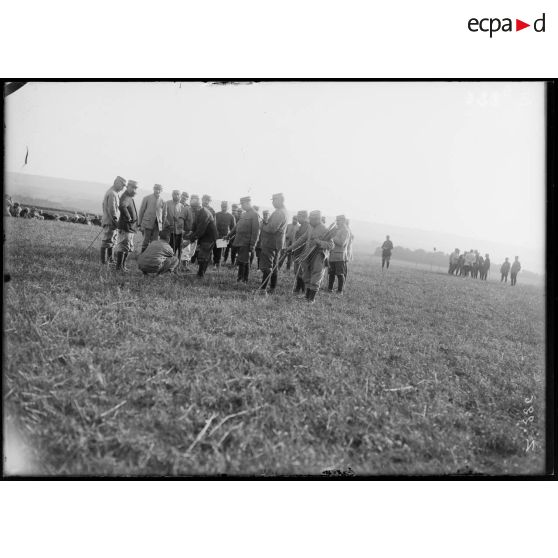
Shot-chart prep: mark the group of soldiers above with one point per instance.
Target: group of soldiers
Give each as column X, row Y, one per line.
column 187, row 229
column 471, row 263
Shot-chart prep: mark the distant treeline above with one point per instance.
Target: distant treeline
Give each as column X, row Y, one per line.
column 417, row 256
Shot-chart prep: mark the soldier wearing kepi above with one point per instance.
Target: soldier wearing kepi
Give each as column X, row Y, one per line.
column 246, row 234
column 204, row 232
column 109, row 222
column 206, row 200
column 127, row 225
column 302, row 218
column 313, row 266
column 338, row 255
column 225, row 223
column 159, row 256
column 272, row 240
column 152, row 216
column 174, row 223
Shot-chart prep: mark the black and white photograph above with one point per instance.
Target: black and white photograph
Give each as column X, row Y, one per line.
column 275, row 278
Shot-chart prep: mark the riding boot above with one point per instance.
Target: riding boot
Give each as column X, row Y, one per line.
column 311, row 296
column 109, row 255
column 331, row 282
column 201, row 269
column 119, row 256
column 103, row 255
column 307, row 294
column 340, row 283
column 124, row 258
column 246, row 272
column 299, row 286
column 273, row 282
column 240, row 276
column 265, row 281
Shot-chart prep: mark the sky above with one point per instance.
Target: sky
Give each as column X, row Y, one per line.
column 454, row 157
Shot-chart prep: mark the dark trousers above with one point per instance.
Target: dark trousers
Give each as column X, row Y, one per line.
column 504, row 278
column 513, row 278
column 176, row 244
column 217, row 255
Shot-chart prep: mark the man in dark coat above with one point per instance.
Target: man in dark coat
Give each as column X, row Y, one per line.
column 245, row 234
column 485, row 267
column 109, row 222
column 127, row 225
column 225, row 223
column 504, row 270
column 302, row 218
column 515, row 268
column 387, row 247
column 272, row 240
column 204, row 232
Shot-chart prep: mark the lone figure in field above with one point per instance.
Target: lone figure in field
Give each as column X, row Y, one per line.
column 387, row 247
column 158, row 257
column 272, row 240
column 515, row 269
column 109, row 222
column 127, row 225
column 504, row 270
column 338, row 255
column 152, row 215
column 245, row 235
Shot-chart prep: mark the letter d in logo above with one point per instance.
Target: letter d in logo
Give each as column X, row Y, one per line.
column 541, row 21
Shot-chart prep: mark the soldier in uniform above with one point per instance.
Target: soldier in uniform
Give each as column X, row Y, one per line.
column 485, row 267
column 338, row 255
column 127, row 225
column 204, row 232
column 152, row 216
column 515, row 268
column 313, row 267
column 290, row 238
column 206, row 200
column 111, row 214
column 272, row 239
column 504, row 270
column 225, row 223
column 234, row 208
column 159, row 256
column 453, row 260
column 258, row 250
column 387, row 247
column 302, row 219
column 245, row 234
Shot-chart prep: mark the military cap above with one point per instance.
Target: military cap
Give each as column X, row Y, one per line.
column 194, row 197
column 158, row 186
column 340, row 217
column 185, row 194
column 278, row 196
column 133, row 183
column 206, row 197
column 316, row 213
column 176, row 192
column 303, row 213
column 245, row 199
column 119, row 180
column 234, row 206
column 223, row 203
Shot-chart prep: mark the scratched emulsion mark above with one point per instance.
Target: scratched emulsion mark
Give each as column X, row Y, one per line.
column 524, row 423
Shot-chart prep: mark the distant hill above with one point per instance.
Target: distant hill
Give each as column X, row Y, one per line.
column 83, row 196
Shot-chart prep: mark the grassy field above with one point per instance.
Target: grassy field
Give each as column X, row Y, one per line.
column 411, row 372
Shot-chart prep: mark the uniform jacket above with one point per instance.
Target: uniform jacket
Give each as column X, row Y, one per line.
column 174, row 218
column 486, row 265
column 273, row 232
column 154, row 255
column 470, row 258
column 152, row 210
column 340, row 245
column 291, row 233
column 187, row 217
column 313, row 238
column 204, row 229
column 515, row 267
column 454, row 257
column 128, row 220
column 247, row 229
column 210, row 209
column 505, row 267
column 302, row 230
column 387, row 247
column 111, row 211
column 225, row 223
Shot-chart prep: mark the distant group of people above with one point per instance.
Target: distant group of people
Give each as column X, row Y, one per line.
column 187, row 229
column 472, row 264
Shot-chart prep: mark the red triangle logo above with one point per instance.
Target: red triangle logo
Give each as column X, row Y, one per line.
column 519, row 25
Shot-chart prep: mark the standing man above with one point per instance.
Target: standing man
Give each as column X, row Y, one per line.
column 453, row 259
column 174, row 223
column 485, row 267
column 387, row 247
column 152, row 216
column 206, row 200
column 263, row 221
column 338, row 255
column 273, row 237
column 159, row 256
column 515, row 268
column 302, row 218
column 313, row 266
column 127, row 225
column 504, row 270
column 111, row 214
column 290, row 237
column 204, row 232
column 234, row 208
column 225, row 223
column 246, row 234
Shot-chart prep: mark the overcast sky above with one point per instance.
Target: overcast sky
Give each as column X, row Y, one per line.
column 464, row 158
